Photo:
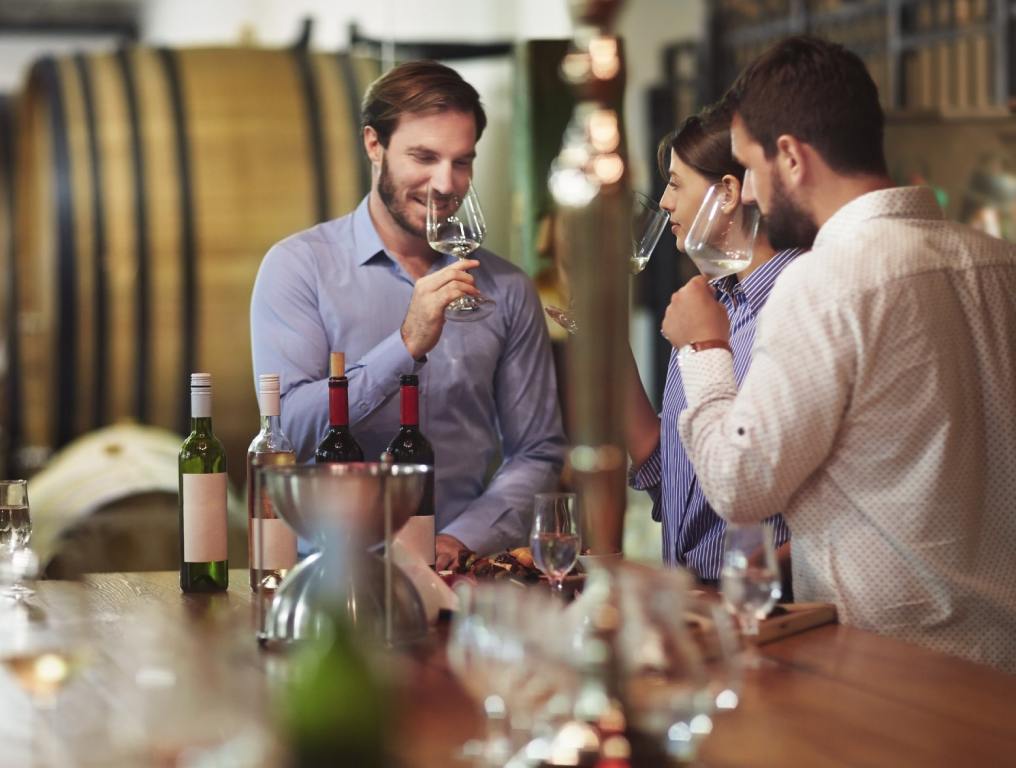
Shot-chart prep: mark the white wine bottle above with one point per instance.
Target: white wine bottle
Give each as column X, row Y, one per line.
column 204, row 566
column 271, row 544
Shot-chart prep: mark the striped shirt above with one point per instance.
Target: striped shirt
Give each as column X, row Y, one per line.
column 692, row 532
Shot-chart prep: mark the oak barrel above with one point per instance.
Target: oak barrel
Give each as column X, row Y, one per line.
column 149, row 184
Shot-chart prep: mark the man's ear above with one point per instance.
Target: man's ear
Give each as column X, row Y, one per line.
column 732, row 193
column 791, row 160
column 372, row 145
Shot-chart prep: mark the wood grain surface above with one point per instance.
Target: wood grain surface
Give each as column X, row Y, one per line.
column 828, row 696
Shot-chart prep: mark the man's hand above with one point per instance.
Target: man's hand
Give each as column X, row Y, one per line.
column 447, row 549
column 432, row 293
column 694, row 314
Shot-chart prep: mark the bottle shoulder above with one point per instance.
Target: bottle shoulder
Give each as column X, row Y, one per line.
column 271, row 442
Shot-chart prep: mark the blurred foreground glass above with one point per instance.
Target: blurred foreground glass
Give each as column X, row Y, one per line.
column 647, row 224
column 485, row 649
column 15, row 534
column 554, row 538
column 750, row 578
column 721, row 239
column 666, row 679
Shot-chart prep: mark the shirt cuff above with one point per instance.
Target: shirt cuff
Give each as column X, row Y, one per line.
column 380, row 369
column 706, row 373
column 648, row 474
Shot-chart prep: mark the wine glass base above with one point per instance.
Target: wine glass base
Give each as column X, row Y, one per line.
column 17, row 591
column 470, row 309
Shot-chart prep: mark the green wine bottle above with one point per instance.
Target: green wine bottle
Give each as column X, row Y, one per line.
column 335, row 705
column 203, row 560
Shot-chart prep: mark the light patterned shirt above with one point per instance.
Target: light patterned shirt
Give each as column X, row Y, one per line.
column 879, row 416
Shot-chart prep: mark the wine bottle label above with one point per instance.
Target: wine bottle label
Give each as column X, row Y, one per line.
column 417, row 535
column 274, row 544
column 204, row 517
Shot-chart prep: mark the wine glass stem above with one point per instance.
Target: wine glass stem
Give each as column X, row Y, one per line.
column 749, row 624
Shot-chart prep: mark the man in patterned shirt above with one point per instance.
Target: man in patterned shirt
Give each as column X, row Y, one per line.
column 878, row 415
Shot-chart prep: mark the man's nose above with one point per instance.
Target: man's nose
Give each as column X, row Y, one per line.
column 443, row 179
column 748, row 188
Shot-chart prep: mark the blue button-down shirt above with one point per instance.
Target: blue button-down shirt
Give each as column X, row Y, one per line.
column 488, row 394
column 692, row 531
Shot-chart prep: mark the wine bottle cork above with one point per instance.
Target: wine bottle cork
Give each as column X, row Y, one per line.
column 338, row 364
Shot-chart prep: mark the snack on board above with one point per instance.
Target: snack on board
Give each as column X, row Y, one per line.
column 517, row 563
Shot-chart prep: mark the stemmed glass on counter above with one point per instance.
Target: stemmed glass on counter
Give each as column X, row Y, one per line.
column 554, row 539
column 647, row 224
column 456, row 227
column 750, row 578
column 15, row 534
column 721, row 239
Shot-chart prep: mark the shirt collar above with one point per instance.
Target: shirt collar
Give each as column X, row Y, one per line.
column 891, row 203
column 366, row 241
column 756, row 286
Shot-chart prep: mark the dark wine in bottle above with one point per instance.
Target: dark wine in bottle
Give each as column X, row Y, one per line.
column 409, row 446
column 338, row 444
column 203, row 528
column 271, row 544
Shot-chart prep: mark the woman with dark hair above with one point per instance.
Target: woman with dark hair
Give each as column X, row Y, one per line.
column 692, row 159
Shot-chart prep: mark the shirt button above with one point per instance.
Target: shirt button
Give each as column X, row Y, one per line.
column 740, row 431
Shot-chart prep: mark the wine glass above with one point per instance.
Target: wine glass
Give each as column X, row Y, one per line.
column 485, row 650
column 15, row 533
column 455, row 226
column 750, row 578
column 554, row 539
column 647, row 224
column 721, row 239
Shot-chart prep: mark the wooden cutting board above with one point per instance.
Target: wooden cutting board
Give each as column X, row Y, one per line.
column 793, row 618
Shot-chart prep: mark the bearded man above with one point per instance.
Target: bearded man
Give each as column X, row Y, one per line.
column 369, row 285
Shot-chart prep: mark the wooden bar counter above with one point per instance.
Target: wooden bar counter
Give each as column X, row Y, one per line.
column 830, row 696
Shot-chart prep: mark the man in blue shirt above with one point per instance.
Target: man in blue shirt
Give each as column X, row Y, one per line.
column 368, row 284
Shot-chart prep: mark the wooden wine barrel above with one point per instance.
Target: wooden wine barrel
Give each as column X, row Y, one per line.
column 150, row 183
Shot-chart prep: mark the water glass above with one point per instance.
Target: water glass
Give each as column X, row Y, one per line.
column 15, row 533
column 555, row 539
column 750, row 578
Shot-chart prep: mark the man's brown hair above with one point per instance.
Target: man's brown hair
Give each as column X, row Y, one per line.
column 418, row 88
column 818, row 92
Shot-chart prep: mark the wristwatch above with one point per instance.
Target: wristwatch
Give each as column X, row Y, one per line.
column 699, row 346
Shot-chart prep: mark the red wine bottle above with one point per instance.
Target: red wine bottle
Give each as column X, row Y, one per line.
column 409, row 446
column 338, row 445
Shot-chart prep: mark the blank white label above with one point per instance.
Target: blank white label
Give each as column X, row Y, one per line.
column 204, row 518
column 417, row 535
column 274, row 545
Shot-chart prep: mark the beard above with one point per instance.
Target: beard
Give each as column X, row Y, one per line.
column 787, row 224
column 388, row 193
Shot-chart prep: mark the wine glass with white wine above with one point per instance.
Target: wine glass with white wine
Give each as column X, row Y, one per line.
column 455, row 226
column 647, row 224
column 721, row 239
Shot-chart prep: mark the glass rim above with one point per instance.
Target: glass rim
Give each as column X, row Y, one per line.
column 18, row 481
column 555, row 495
